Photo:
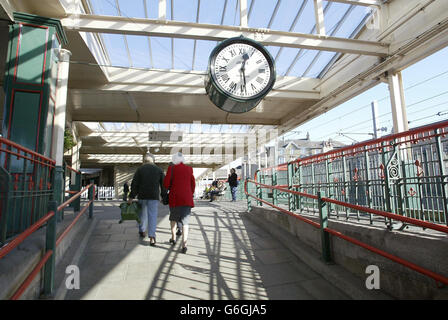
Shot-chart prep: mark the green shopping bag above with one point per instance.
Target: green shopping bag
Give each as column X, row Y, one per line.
column 130, row 211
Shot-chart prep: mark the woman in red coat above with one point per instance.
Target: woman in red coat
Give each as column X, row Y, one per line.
column 180, row 181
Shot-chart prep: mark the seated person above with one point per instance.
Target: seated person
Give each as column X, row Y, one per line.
column 216, row 189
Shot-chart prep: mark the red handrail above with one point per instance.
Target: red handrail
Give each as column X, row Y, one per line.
column 66, row 231
column 401, row 261
column 20, row 238
column 19, row 147
column 77, row 195
column 25, row 234
column 18, row 155
column 74, row 170
column 389, row 256
column 394, row 216
column 311, row 222
column 31, row 276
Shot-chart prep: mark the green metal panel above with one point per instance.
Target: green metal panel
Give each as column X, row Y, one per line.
column 48, row 136
column 25, row 117
column 32, row 54
column 30, row 79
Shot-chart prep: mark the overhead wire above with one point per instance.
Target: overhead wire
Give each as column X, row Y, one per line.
column 384, row 98
column 385, row 114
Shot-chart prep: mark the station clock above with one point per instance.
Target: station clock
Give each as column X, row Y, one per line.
column 240, row 73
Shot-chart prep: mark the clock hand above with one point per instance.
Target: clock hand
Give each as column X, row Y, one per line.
column 243, row 75
column 243, row 69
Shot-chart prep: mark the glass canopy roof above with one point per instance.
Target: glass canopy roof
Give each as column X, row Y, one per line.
column 341, row 20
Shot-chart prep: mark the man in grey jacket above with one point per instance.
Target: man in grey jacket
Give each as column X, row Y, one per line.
column 147, row 186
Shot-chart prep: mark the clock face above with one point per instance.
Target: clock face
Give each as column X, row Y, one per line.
column 242, row 71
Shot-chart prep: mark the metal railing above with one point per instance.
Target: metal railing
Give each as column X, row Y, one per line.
column 102, row 193
column 74, row 179
column 323, row 205
column 400, row 177
column 26, row 204
column 26, row 181
column 47, row 262
column 403, row 173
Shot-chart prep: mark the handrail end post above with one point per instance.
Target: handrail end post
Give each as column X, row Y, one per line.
column 50, row 244
column 91, row 198
column 58, row 189
column 325, row 236
column 258, row 188
column 249, row 203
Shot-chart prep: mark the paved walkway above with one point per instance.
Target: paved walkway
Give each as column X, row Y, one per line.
column 228, row 257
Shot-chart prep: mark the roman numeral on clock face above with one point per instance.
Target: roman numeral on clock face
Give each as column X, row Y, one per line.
column 222, row 68
column 232, row 86
column 225, row 77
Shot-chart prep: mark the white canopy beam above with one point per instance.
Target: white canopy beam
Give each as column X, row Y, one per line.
column 319, row 14
column 139, row 80
column 243, row 13
column 366, row 3
column 162, row 9
column 7, row 8
column 187, row 30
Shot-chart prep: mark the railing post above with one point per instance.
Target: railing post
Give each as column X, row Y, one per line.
column 291, row 197
column 346, row 181
column 299, row 180
column 325, row 236
column 387, row 191
column 442, row 175
column 6, row 202
column 274, row 191
column 368, row 182
column 50, row 244
column 330, row 186
column 77, row 202
column 91, row 198
column 58, row 189
column 259, row 190
column 313, row 183
column 249, row 204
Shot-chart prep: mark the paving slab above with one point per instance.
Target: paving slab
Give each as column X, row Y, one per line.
column 228, row 257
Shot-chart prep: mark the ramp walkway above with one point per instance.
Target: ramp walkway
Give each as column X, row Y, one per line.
column 229, row 257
